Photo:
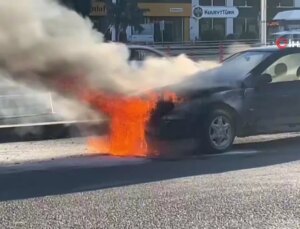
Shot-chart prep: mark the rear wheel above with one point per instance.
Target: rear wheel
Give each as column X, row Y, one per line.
column 218, row 132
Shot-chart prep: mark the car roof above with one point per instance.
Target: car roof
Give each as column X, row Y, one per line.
column 272, row 48
column 287, row 32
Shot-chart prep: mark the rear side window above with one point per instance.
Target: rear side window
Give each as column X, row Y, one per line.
column 286, row 68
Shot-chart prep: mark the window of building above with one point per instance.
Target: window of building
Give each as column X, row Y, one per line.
column 285, row 3
column 240, row 2
column 174, row 29
column 246, row 3
column 212, row 2
column 207, row 24
column 205, row 2
column 239, row 25
column 219, row 2
column 219, row 25
column 246, row 25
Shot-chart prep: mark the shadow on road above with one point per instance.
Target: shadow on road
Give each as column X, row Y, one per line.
column 29, row 184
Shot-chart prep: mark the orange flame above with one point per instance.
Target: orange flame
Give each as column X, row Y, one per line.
column 128, row 119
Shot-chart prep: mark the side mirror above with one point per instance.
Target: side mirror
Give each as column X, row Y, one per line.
column 263, row 79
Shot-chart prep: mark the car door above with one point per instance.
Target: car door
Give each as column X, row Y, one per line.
column 275, row 107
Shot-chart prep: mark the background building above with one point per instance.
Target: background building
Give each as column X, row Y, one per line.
column 175, row 16
column 247, row 24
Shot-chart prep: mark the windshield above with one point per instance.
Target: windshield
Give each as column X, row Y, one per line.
column 243, row 63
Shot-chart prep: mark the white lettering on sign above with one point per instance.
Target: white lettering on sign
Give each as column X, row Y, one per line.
column 176, row 10
column 219, row 12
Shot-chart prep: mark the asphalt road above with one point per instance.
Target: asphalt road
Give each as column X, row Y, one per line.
column 257, row 185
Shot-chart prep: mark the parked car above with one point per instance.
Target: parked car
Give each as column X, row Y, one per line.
column 253, row 92
column 140, row 53
column 292, row 35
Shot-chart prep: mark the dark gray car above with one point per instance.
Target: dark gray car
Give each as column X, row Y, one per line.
column 252, row 92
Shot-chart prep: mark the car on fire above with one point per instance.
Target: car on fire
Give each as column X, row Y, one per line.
column 253, row 92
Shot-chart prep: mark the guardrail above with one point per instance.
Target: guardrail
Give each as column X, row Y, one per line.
column 204, row 49
column 18, row 104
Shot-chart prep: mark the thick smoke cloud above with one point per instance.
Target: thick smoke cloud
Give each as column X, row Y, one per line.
column 42, row 43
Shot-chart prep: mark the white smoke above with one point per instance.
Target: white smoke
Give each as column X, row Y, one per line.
column 237, row 47
column 41, row 42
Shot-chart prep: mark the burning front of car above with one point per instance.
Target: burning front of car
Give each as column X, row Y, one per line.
column 61, row 53
column 129, row 118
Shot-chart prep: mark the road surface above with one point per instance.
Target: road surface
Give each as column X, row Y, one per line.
column 256, row 185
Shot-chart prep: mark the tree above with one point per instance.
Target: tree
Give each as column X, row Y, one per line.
column 123, row 14
column 82, row 7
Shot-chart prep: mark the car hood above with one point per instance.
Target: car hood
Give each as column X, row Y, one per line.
column 206, row 82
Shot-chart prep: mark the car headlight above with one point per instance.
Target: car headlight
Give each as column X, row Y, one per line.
column 177, row 114
column 182, row 111
column 173, row 117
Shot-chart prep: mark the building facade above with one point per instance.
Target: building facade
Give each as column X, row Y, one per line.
column 248, row 20
column 180, row 25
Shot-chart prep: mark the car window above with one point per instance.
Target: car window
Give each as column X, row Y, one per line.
column 144, row 54
column 286, row 68
column 134, row 55
column 244, row 62
column 286, row 36
column 296, row 36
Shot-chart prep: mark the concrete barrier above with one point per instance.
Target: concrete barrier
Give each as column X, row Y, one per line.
column 53, row 130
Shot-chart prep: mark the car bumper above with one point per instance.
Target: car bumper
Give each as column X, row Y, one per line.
column 159, row 148
column 172, row 130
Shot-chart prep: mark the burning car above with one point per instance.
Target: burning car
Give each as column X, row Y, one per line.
column 253, row 92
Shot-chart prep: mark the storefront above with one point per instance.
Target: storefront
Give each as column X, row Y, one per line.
column 175, row 17
column 212, row 15
column 181, row 25
column 245, row 25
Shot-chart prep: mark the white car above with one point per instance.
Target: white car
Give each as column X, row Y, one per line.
column 140, row 53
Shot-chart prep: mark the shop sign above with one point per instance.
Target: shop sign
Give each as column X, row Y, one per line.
column 176, row 10
column 215, row 12
column 141, row 38
column 162, row 25
column 98, row 8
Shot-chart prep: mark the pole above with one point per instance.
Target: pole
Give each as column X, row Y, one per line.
column 51, row 103
column 263, row 22
column 221, row 52
column 113, row 28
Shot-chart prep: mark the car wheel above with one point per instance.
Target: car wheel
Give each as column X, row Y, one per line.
column 218, row 132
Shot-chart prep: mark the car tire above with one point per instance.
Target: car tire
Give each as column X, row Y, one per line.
column 218, row 132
